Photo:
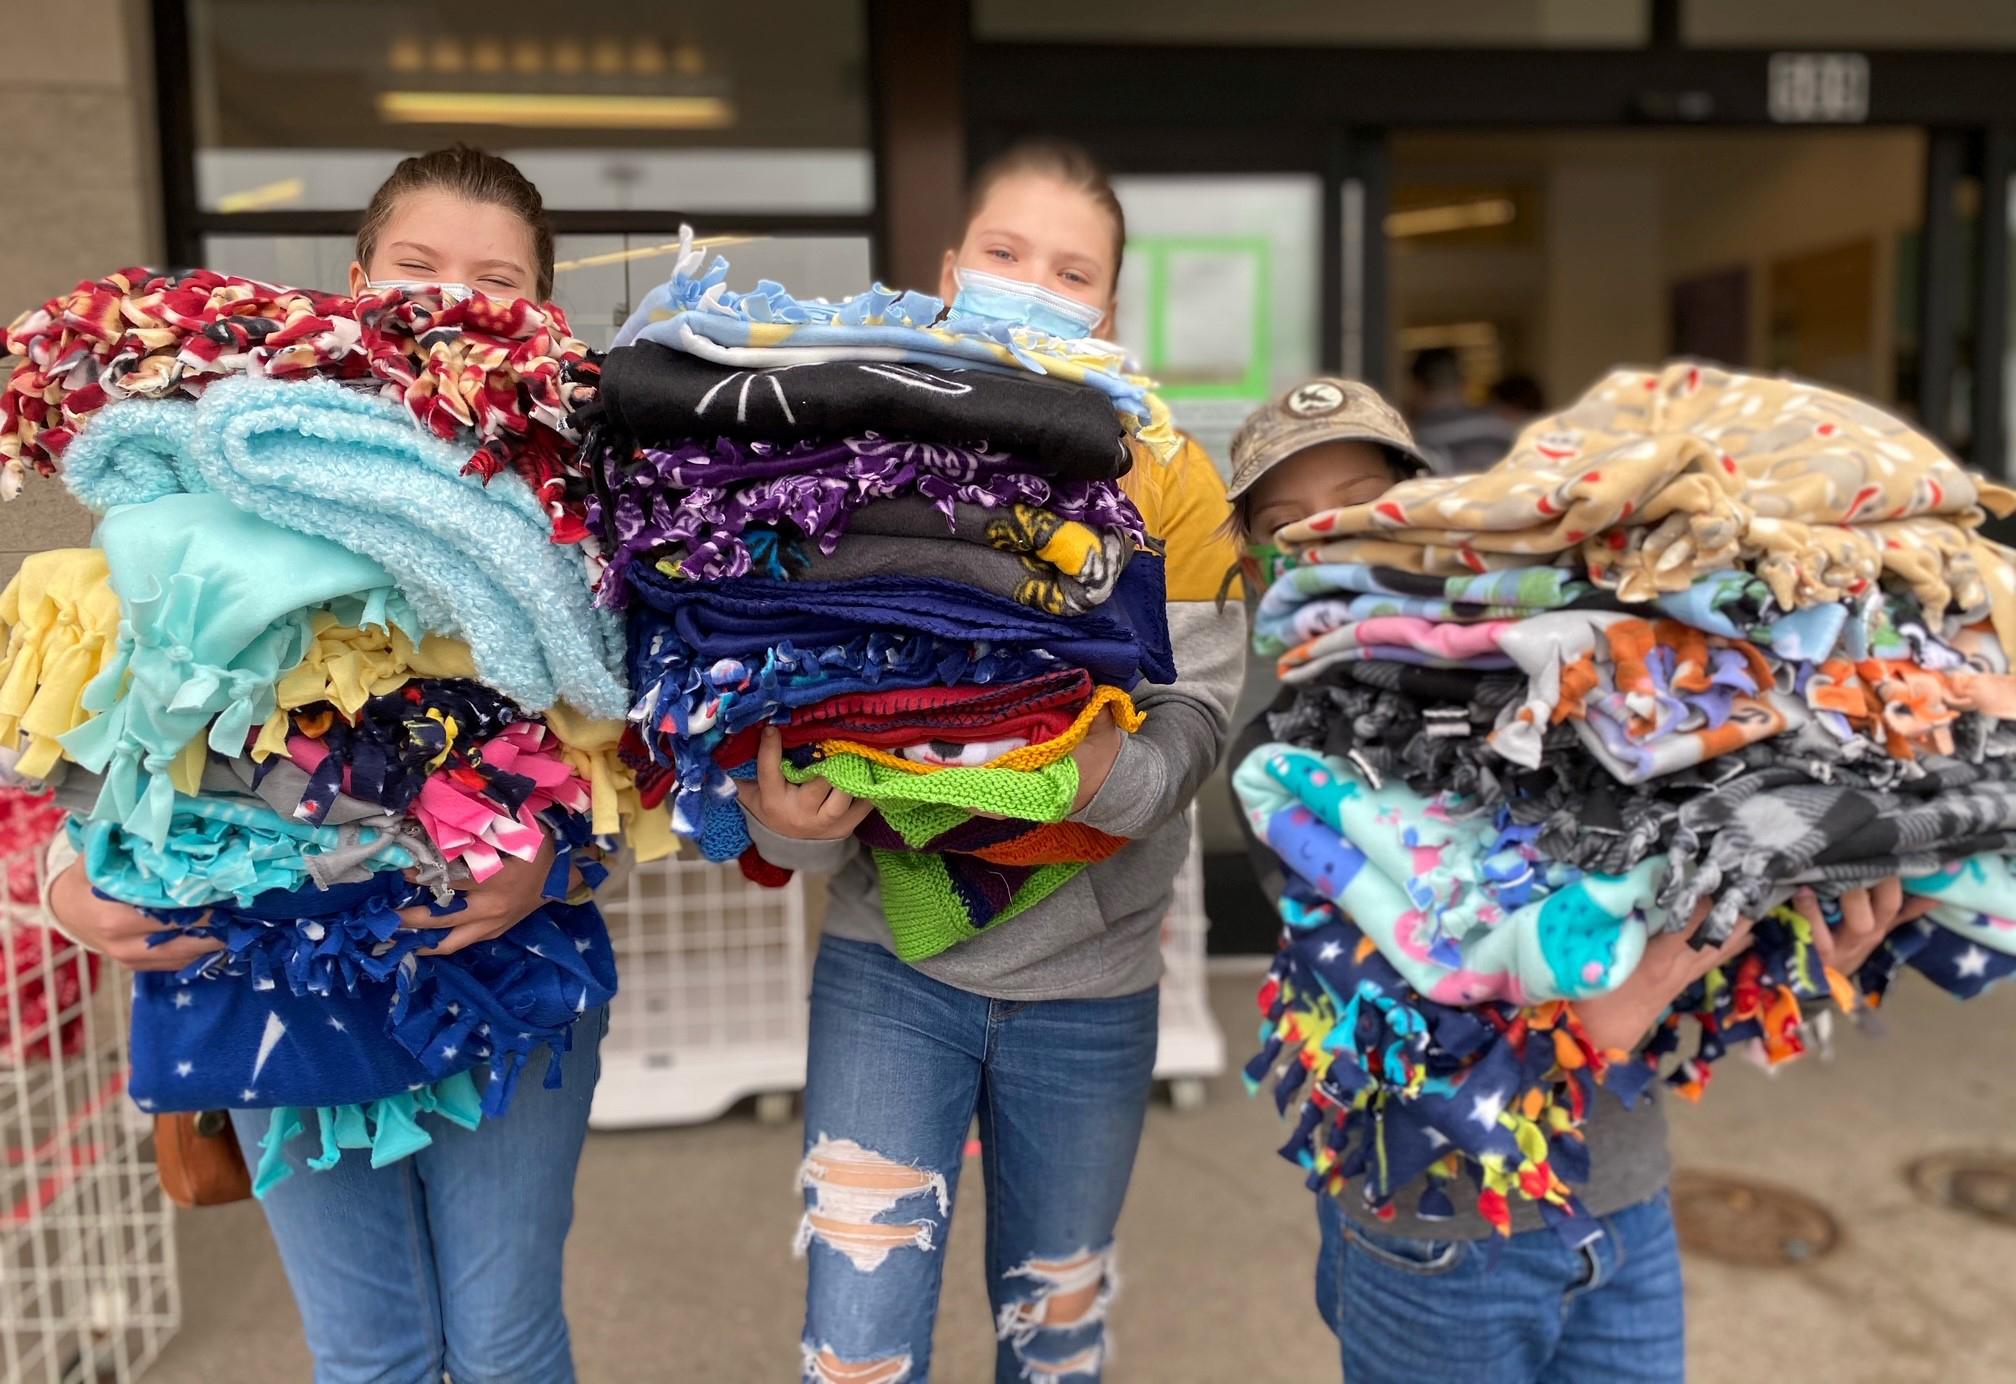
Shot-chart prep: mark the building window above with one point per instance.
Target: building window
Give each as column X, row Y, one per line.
column 749, row 119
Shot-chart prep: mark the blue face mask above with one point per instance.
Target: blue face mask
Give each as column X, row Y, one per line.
column 1029, row 305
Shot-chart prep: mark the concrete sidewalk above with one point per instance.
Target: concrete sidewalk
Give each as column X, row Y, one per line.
column 680, row 1269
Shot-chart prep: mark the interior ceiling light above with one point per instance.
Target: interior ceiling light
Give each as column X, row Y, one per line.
column 1457, row 216
column 446, row 55
column 486, row 56
column 647, row 59
column 284, row 193
column 550, row 111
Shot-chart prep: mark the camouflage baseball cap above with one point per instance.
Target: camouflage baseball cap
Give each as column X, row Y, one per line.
column 1317, row 411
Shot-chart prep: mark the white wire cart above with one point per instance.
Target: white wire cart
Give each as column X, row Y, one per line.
column 1190, row 1047
column 711, row 998
column 714, row 978
column 88, row 1292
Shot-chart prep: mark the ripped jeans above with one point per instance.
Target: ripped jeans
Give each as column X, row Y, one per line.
column 900, row 1064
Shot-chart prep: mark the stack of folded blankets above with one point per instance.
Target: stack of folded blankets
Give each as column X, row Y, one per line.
column 1699, row 640
column 898, row 539
column 330, row 656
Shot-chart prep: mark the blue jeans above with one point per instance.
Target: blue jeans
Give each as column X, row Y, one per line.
column 900, row 1064
column 447, row 1261
column 1438, row 1312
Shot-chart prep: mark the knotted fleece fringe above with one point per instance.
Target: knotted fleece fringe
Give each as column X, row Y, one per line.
column 214, row 604
column 1392, row 1085
column 498, row 1001
column 390, row 1128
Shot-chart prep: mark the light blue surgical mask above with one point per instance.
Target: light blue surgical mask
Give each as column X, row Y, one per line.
column 450, row 293
column 1030, row 305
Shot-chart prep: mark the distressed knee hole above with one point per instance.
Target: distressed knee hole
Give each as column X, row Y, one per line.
column 1087, row 1361
column 851, row 1189
column 822, row 1366
column 1071, row 1293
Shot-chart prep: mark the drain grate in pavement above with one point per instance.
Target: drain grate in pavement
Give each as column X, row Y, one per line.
column 1754, row 1224
column 1980, row 1184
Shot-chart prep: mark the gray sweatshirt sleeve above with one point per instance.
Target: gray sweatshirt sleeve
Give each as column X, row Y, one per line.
column 791, row 853
column 1161, row 766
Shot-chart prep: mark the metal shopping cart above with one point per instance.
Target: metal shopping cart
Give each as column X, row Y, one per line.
column 88, row 1293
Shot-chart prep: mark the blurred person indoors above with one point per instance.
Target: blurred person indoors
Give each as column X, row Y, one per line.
column 1456, row 434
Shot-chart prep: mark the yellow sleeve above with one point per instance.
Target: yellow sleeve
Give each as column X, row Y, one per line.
column 1183, row 503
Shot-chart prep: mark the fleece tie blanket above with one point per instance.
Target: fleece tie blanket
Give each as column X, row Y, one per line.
column 345, row 666
column 1654, row 478
column 1463, row 915
column 1306, row 603
column 1071, row 567
column 1743, row 843
column 698, row 313
column 1033, row 710
column 996, row 571
column 62, row 620
column 482, row 373
column 1398, row 1086
column 1649, row 697
column 475, row 561
column 1956, row 965
column 880, row 467
column 225, row 845
column 312, row 1029
column 659, row 396
column 386, row 749
column 711, row 506
column 216, row 604
column 1126, row 640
